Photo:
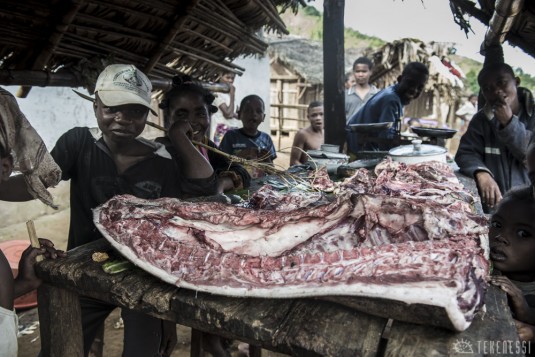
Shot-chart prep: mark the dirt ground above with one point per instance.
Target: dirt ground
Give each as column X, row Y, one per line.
column 54, row 225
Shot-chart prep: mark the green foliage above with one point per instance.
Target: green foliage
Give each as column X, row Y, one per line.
column 311, row 11
column 471, row 82
column 526, row 80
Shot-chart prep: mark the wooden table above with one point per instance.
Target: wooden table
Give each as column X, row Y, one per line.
column 298, row 327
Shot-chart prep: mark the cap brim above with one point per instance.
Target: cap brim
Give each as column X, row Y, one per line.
column 116, row 98
column 91, row 99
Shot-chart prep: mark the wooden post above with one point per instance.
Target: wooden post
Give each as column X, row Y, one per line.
column 60, row 308
column 333, row 71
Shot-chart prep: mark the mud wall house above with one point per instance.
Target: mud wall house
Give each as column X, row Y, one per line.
column 296, row 66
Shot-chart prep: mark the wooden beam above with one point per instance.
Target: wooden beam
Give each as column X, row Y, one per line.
column 333, row 73
column 178, row 20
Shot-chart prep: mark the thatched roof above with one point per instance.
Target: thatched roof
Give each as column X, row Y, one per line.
column 512, row 20
column 161, row 37
column 391, row 58
column 305, row 57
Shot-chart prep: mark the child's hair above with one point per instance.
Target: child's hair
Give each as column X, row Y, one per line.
column 185, row 85
column 523, row 193
column 417, row 68
column 494, row 68
column 315, row 104
column 363, row 60
column 249, row 98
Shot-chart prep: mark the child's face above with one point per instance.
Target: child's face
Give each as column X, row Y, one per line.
column 499, row 88
column 362, row 73
column 252, row 114
column 122, row 123
column 411, row 86
column 228, row 78
column 192, row 108
column 512, row 237
column 315, row 115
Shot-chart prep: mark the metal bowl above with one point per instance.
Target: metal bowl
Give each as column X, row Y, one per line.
column 434, row 132
column 367, row 128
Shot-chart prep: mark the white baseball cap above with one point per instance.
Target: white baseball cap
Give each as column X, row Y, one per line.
column 120, row 84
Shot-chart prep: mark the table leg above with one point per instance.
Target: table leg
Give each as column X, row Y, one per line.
column 60, row 322
column 196, row 349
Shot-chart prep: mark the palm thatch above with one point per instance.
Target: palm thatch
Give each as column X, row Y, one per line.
column 161, row 37
column 305, row 57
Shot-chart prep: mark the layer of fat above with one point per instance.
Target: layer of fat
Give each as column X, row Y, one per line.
column 419, row 292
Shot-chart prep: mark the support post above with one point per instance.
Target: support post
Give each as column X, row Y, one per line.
column 333, row 72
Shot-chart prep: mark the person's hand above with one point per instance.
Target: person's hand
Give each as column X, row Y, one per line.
column 502, row 112
column 488, row 188
column 526, row 332
column 180, row 128
column 169, row 338
column 519, row 304
column 26, row 272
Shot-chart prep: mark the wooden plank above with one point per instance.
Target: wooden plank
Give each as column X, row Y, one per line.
column 491, row 327
column 59, row 322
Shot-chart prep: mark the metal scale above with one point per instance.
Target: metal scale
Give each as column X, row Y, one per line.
column 368, row 137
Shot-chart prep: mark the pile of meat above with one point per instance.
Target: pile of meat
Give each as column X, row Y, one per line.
column 404, row 233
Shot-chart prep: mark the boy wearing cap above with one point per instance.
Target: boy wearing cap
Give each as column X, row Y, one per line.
column 118, row 162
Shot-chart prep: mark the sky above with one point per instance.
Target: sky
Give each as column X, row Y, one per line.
column 427, row 20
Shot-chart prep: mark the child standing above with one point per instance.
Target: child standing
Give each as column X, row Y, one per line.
column 309, row 138
column 248, row 142
column 225, row 118
column 512, row 243
column 359, row 93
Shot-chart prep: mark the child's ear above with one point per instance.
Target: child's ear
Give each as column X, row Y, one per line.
column 517, row 79
column 399, row 79
column 7, row 167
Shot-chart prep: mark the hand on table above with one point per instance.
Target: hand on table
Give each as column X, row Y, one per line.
column 526, row 332
column 488, row 188
column 519, row 304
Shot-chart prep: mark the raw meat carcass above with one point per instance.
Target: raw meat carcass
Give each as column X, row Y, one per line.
column 358, row 245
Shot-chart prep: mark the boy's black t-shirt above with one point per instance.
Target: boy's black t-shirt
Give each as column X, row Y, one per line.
column 94, row 179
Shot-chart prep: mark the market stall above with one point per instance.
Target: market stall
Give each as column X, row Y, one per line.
column 298, row 327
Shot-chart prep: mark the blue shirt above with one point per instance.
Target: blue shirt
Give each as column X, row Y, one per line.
column 236, row 141
column 384, row 107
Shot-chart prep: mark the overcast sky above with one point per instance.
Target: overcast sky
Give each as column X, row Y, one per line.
column 431, row 21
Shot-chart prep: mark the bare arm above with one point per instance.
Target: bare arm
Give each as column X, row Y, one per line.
column 15, row 190
column 228, row 110
column 194, row 165
column 297, row 149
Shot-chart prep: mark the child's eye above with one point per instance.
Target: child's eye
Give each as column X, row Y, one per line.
column 523, row 233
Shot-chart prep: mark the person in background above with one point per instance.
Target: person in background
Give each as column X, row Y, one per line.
column 387, row 106
column 349, row 81
column 15, row 133
column 117, row 162
column 512, row 243
column 309, row 138
column 191, row 102
column 248, row 142
column 466, row 112
column 225, row 118
column 357, row 95
column 493, row 149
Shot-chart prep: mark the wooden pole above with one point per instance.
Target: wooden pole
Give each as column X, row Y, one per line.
column 333, row 71
column 33, row 238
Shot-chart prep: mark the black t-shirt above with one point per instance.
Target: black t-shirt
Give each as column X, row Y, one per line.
column 94, row 179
